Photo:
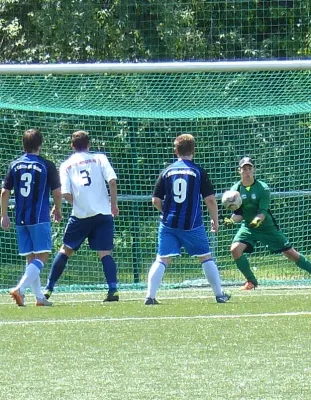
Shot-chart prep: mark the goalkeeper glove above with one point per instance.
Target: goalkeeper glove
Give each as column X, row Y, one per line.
column 256, row 222
column 228, row 221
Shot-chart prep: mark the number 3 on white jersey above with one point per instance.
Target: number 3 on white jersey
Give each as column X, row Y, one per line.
column 85, row 176
column 180, row 190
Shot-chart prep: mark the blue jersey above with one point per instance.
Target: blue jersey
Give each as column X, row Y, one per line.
column 31, row 177
column 182, row 186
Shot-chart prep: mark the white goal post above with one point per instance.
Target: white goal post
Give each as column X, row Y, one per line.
column 154, row 68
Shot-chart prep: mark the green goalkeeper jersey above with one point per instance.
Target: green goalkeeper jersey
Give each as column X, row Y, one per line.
column 255, row 200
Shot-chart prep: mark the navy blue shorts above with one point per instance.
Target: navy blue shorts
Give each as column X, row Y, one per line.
column 171, row 240
column 34, row 238
column 97, row 229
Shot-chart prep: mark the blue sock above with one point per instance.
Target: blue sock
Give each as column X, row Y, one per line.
column 110, row 272
column 58, row 266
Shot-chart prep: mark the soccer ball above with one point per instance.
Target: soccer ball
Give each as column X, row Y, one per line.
column 231, row 200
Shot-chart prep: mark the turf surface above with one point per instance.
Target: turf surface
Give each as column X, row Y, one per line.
column 189, row 347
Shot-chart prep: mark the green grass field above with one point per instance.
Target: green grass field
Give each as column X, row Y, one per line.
column 255, row 347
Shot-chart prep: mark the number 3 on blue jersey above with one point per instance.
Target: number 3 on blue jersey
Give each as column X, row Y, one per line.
column 26, row 178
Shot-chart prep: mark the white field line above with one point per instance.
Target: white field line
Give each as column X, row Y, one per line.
column 66, row 298
column 168, row 318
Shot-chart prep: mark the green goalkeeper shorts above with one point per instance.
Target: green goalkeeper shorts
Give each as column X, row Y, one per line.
column 274, row 239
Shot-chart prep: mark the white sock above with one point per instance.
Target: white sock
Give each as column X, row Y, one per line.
column 32, row 272
column 36, row 288
column 212, row 275
column 155, row 276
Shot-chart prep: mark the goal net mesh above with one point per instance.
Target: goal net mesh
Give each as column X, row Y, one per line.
column 134, row 119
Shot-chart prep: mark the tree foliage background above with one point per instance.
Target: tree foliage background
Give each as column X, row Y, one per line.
column 159, row 30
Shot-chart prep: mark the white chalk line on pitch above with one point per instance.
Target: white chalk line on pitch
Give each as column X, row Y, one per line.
column 63, row 298
column 168, row 318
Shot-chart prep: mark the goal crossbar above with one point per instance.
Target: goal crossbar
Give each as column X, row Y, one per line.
column 154, row 68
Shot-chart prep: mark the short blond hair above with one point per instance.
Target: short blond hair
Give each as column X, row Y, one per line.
column 184, row 145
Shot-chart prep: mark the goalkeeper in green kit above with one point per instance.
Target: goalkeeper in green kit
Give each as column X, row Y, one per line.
column 258, row 225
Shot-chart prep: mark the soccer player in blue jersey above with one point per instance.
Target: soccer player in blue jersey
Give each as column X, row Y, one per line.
column 177, row 195
column 32, row 178
column 83, row 179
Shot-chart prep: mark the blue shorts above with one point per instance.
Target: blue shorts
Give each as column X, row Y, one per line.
column 34, row 238
column 97, row 229
column 171, row 240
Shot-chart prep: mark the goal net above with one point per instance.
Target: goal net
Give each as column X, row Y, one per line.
column 232, row 109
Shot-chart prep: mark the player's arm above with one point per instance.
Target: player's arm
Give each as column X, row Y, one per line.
column 264, row 204
column 68, row 197
column 157, row 203
column 211, row 204
column 55, row 186
column 57, row 197
column 257, row 221
column 65, row 184
column 5, row 197
column 208, row 195
column 158, row 194
column 234, row 219
column 113, row 197
column 110, row 177
column 57, row 208
column 5, row 220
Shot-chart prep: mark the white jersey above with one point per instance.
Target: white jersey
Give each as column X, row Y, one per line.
column 84, row 175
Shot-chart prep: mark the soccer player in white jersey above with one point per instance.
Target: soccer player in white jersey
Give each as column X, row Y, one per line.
column 83, row 181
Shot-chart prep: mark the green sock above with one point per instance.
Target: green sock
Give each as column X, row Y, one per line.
column 243, row 265
column 303, row 263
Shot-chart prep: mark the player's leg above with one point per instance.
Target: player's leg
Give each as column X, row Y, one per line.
column 155, row 276
column 101, row 240
column 277, row 242
column 58, row 266
column 25, row 248
column 110, row 273
column 75, row 233
column 243, row 242
column 41, row 235
column 298, row 259
column 35, row 242
column 31, row 277
column 168, row 247
column 38, row 260
column 196, row 244
column 211, row 274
